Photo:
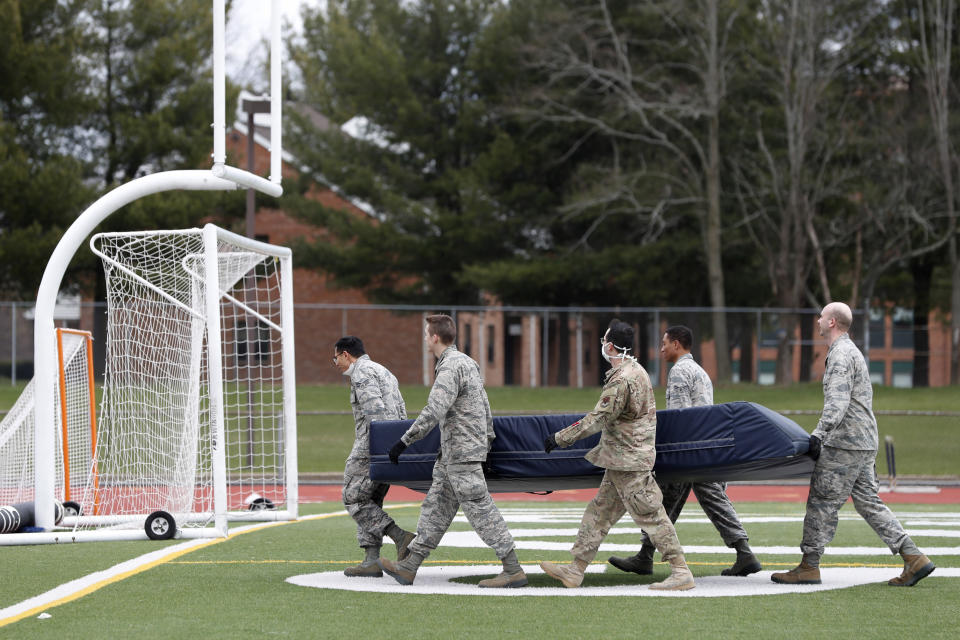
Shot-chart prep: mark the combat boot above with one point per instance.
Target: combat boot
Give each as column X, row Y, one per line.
column 505, row 580
column 402, row 551
column 368, row 568
column 746, row 562
column 403, row 571
column 512, row 576
column 680, row 578
column 570, row 575
column 803, row 573
column 915, row 569
column 641, row 564
column 364, row 571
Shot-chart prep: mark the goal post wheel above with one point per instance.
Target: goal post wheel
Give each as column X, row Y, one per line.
column 72, row 509
column 262, row 504
column 160, row 525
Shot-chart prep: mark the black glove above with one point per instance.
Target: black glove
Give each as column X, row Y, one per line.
column 396, row 450
column 550, row 443
column 814, row 450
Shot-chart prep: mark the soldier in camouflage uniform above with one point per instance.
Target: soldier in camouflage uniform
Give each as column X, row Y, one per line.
column 626, row 416
column 374, row 395
column 844, row 444
column 688, row 385
column 458, row 405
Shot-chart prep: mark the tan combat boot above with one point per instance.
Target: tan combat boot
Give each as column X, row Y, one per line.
column 364, row 571
column 405, row 541
column 505, row 580
column 915, row 569
column 404, row 571
column 803, row 573
column 680, row 578
column 571, row 575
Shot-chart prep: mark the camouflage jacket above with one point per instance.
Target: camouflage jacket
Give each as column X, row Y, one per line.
column 626, row 416
column 688, row 385
column 458, row 404
column 374, row 395
column 847, row 420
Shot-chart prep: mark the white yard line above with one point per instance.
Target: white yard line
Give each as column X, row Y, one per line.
column 70, row 591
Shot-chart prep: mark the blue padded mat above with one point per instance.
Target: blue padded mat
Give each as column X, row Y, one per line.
column 723, row 442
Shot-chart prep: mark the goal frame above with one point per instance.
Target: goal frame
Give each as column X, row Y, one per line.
column 219, row 178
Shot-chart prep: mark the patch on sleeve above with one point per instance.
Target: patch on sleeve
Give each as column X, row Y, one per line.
column 604, row 401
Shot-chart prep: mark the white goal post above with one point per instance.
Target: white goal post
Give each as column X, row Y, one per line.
column 219, row 177
column 198, row 416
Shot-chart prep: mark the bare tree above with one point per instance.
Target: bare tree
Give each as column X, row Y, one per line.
column 789, row 174
column 936, row 42
column 652, row 91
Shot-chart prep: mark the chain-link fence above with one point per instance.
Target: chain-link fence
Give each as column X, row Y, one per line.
column 560, row 346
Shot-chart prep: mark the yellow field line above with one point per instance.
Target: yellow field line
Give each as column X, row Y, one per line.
column 111, row 579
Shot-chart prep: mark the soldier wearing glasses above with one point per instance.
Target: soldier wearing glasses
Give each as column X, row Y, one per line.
column 374, row 395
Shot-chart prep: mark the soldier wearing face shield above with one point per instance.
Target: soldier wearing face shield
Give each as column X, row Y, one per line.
column 688, row 385
column 626, row 416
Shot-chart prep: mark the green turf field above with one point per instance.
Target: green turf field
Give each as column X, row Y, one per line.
column 925, row 445
column 237, row 589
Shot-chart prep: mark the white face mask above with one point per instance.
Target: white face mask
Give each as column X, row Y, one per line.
column 349, row 370
column 603, row 347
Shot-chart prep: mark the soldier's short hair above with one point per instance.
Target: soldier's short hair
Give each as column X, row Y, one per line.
column 442, row 325
column 843, row 315
column 681, row 334
column 351, row 344
column 620, row 334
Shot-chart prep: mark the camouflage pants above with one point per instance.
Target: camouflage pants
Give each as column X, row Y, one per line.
column 838, row 475
column 460, row 486
column 714, row 501
column 363, row 499
column 633, row 492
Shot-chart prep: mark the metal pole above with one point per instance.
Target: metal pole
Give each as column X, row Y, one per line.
column 579, row 350
column 13, row 343
column 545, row 349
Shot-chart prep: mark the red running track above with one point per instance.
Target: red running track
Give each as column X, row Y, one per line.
column 737, row 493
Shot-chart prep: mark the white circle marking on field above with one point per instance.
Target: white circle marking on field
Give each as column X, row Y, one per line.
column 440, row 580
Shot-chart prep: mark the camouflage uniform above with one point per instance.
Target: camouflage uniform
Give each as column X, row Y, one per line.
column 847, row 463
column 458, row 404
column 626, row 416
column 374, row 395
column 688, row 385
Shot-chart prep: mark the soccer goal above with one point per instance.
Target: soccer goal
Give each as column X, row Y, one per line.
column 197, row 423
column 232, row 364
column 75, row 426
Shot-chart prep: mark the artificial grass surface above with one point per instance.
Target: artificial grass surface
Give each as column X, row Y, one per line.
column 237, row 589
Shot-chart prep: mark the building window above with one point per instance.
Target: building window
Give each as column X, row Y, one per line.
column 491, row 335
column 878, row 329
column 767, row 372
column 877, row 370
column 467, row 338
column 902, row 374
column 902, row 328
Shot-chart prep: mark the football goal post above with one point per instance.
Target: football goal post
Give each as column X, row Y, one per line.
column 210, row 385
column 197, row 423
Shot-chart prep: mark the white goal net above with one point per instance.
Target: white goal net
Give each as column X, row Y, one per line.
column 75, row 426
column 198, row 412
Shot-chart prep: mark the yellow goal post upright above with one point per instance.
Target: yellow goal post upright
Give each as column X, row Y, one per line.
column 219, row 177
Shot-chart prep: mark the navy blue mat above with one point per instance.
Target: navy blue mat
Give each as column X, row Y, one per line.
column 723, row 442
